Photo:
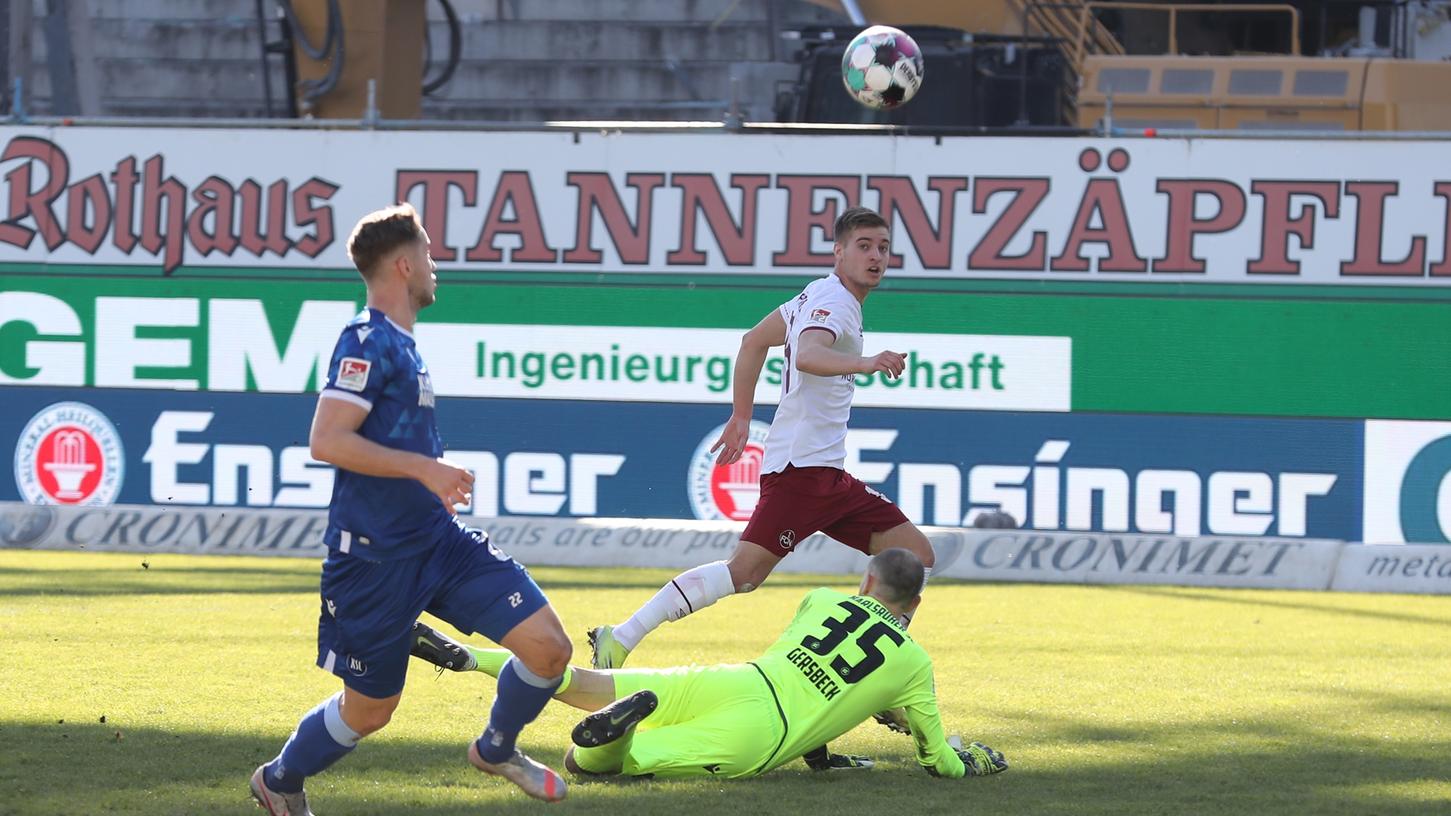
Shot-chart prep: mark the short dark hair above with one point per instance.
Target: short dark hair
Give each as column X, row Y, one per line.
column 899, row 574
column 379, row 233
column 854, row 219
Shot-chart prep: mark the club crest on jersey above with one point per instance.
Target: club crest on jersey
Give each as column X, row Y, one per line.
column 820, row 315
column 69, row 453
column 731, row 491
column 353, row 373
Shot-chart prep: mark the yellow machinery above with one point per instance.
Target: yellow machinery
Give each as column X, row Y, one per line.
column 1265, row 93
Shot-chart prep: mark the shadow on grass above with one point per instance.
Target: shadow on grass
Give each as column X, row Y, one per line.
column 159, row 579
column 135, row 580
column 1431, row 710
column 156, row 772
column 1265, row 766
column 1230, row 597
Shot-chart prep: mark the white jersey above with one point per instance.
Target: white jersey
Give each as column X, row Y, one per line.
column 809, row 429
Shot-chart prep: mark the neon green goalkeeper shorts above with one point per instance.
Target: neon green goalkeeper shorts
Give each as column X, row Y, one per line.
column 711, row 721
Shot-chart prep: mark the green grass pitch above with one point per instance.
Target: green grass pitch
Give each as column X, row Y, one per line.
column 127, row 689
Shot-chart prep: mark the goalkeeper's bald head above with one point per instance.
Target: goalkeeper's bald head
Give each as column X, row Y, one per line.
column 897, row 575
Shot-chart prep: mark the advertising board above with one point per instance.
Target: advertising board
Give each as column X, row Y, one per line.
column 1185, row 476
column 1161, row 211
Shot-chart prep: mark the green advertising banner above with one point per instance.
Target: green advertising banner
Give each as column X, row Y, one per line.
column 1272, row 351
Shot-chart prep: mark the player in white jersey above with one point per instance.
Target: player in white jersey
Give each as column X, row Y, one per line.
column 804, row 486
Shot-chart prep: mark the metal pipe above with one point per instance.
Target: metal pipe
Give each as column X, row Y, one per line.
column 1083, row 16
column 22, row 26
column 262, row 52
column 83, row 55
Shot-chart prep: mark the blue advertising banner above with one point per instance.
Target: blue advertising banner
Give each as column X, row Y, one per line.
column 1181, row 475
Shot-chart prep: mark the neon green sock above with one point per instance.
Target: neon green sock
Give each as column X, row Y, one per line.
column 491, row 662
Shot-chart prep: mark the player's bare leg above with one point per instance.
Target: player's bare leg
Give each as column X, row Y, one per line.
column 589, row 689
column 540, row 644
column 364, row 714
column 689, row 592
column 751, row 565
column 908, row 537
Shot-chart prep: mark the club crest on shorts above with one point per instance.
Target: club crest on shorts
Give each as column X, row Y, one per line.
column 787, row 539
column 69, row 453
column 728, row 492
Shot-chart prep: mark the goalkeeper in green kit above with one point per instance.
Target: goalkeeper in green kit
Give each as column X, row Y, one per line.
column 842, row 659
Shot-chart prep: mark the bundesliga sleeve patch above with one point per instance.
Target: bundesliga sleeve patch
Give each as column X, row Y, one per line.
column 820, row 315
column 353, row 373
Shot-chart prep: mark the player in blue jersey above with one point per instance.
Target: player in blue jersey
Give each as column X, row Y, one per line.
column 395, row 546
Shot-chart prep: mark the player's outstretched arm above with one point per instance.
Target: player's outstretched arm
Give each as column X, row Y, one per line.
column 755, row 345
column 938, row 755
column 814, row 355
column 933, row 752
column 335, row 440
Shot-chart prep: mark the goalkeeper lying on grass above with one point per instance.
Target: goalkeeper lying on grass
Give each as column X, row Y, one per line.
column 842, row 658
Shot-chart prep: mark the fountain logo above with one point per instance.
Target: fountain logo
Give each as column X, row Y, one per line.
column 729, row 491
column 69, row 453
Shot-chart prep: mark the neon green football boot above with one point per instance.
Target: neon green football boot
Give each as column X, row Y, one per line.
column 606, row 652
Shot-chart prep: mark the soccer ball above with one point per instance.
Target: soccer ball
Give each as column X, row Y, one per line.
column 882, row 67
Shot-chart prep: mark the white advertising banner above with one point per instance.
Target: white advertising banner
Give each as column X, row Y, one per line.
column 1156, row 210
column 968, row 554
column 695, row 365
column 1409, row 568
column 1119, row 558
column 1407, row 482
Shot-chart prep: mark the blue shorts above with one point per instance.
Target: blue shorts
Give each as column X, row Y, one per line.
column 368, row 607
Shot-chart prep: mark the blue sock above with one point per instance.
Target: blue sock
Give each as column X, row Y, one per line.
column 521, row 696
column 321, row 739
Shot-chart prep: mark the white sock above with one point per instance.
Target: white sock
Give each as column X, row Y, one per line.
column 691, row 591
column 332, row 719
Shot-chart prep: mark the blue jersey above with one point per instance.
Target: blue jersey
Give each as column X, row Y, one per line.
column 376, row 366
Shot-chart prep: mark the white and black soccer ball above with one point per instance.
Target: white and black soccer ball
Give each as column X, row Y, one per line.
column 882, row 67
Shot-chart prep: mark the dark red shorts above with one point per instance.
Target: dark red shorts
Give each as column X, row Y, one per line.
column 798, row 502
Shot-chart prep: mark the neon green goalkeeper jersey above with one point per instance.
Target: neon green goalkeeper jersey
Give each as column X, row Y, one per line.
column 843, row 659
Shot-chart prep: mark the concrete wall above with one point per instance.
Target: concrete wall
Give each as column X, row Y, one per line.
column 523, row 60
